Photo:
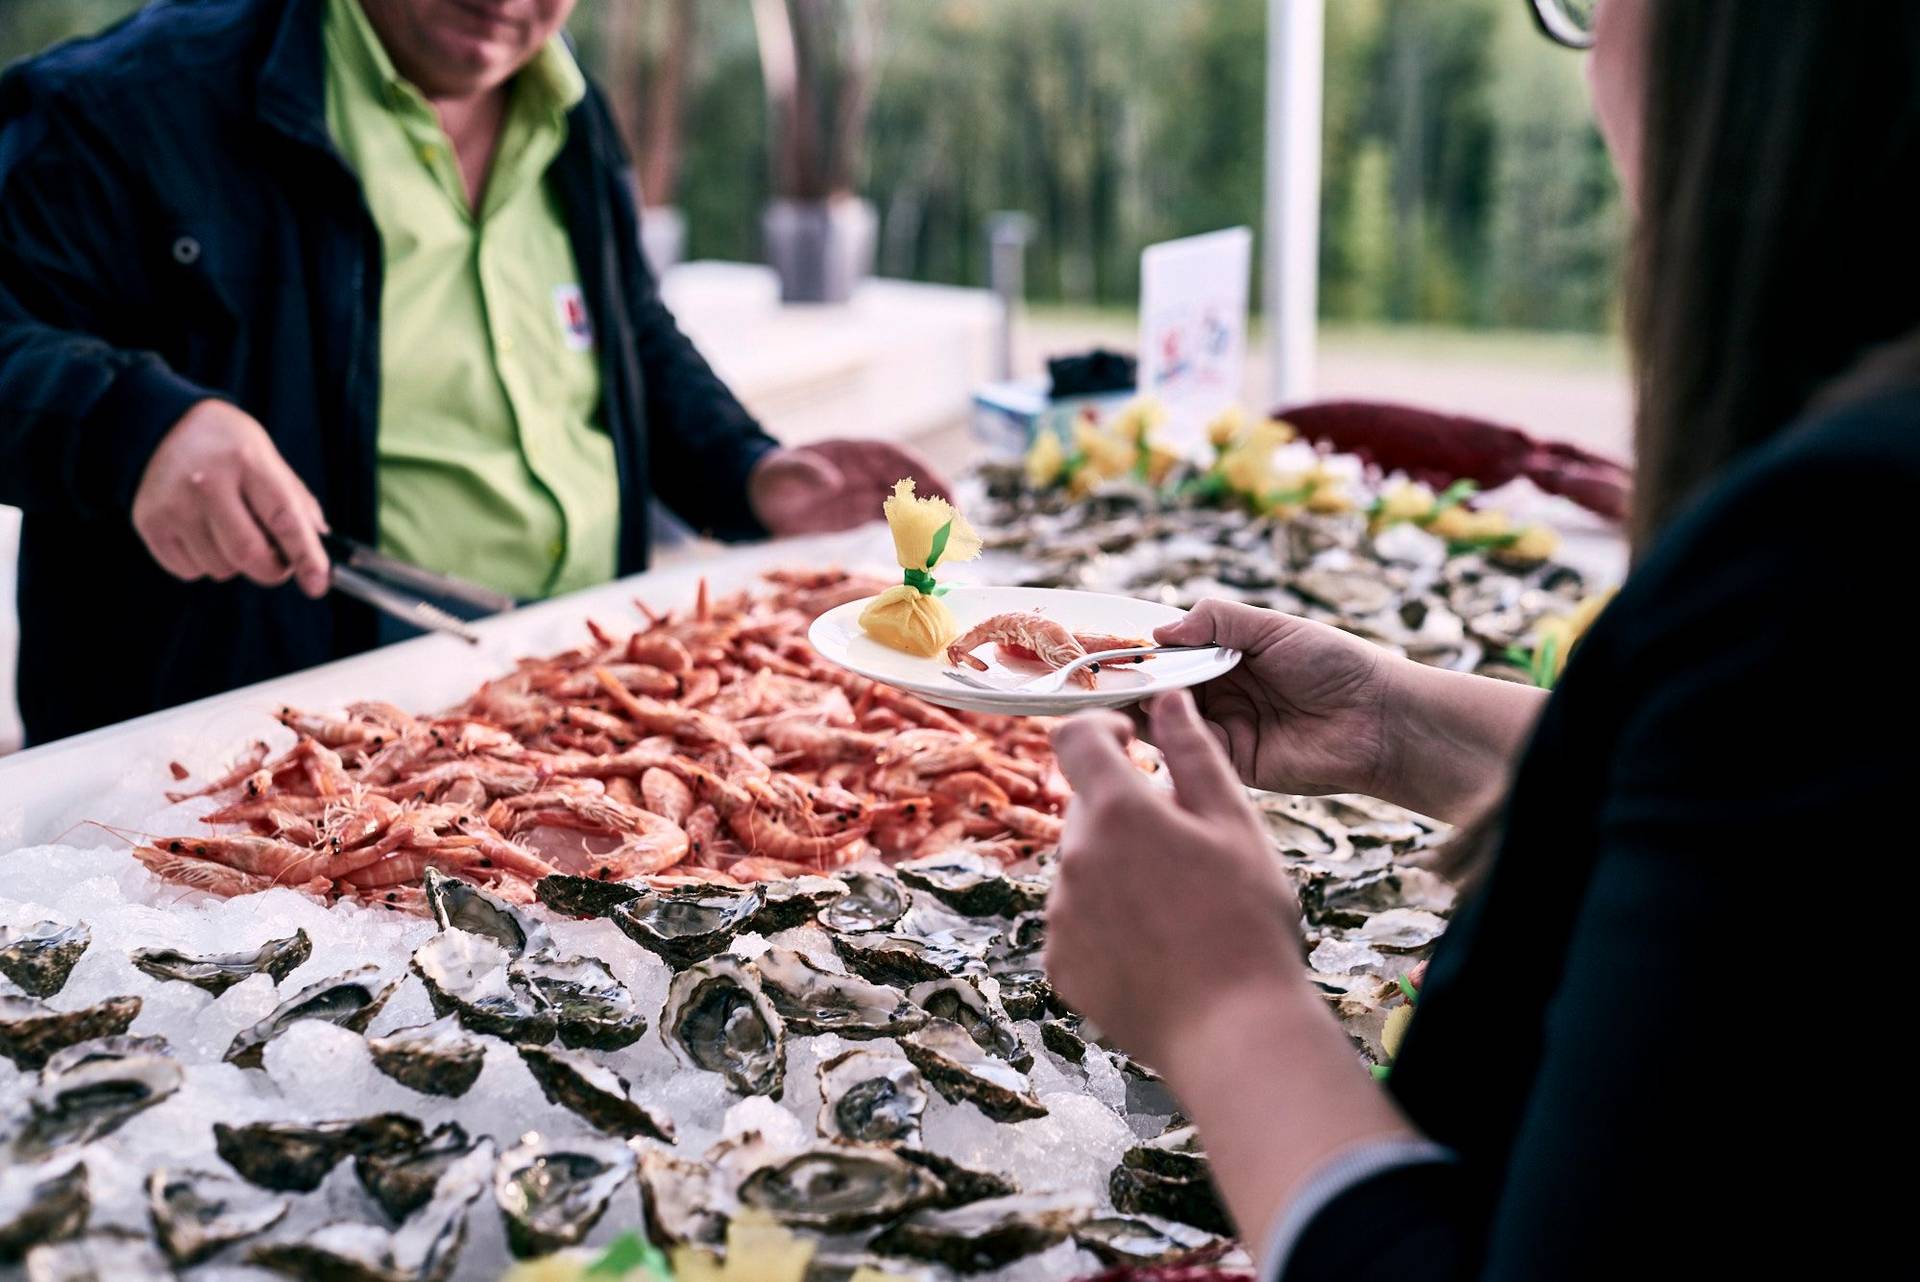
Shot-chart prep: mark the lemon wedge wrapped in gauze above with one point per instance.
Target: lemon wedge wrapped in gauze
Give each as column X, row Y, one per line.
column 926, row 532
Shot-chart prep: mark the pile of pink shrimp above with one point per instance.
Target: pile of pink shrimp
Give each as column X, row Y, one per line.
column 713, row 745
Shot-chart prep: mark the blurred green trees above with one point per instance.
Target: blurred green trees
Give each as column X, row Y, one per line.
column 1463, row 181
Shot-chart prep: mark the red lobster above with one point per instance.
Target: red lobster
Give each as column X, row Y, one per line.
column 1439, row 449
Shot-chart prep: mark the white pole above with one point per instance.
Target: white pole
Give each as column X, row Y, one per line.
column 1290, row 286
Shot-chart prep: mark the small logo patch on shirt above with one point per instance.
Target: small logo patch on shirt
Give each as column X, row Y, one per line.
column 575, row 324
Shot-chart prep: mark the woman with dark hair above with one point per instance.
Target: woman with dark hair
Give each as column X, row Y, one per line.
column 1632, row 1027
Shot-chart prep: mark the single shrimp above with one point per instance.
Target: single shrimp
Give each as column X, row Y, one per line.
column 236, row 774
column 666, row 794
column 1047, row 640
column 333, row 732
column 657, row 717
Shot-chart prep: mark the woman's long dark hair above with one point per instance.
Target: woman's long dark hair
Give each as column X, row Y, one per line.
column 1779, row 232
column 1777, row 245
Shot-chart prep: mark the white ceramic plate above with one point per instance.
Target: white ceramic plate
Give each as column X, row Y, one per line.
column 837, row 636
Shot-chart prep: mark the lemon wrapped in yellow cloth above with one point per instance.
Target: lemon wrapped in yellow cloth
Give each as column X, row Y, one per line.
column 926, row 532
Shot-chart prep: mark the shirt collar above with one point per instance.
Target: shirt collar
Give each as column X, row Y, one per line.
column 553, row 80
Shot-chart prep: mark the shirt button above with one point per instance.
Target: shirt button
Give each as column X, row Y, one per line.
column 506, row 344
column 556, row 549
column 430, row 154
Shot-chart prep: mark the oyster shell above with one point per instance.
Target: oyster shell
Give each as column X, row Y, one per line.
column 590, row 1007
column 40, row 957
column 467, row 975
column 31, row 1030
column 277, row 958
column 970, row 883
column 350, row 1000
column 402, row 1180
column 1402, row 930
column 434, row 1059
column 574, row 896
column 458, row 904
column 814, row 1000
column 988, row 1234
column 109, row 1255
column 1026, row 993
column 678, row 1199
column 840, row 1189
column 423, row 1249
column 36, row 1207
column 595, row 1092
column 552, row 1192
column 1121, row 1242
column 687, row 924
column 964, row 1183
column 1352, row 593
column 294, row 1157
column 91, row 1099
column 1170, row 1177
column 901, row 960
column 1373, row 823
column 1174, row 1152
column 874, row 901
column 1062, row 1038
column 871, row 1098
column 795, row 902
column 719, row 1020
column 956, row 1067
column 966, row 1003
column 125, row 1046
column 195, row 1213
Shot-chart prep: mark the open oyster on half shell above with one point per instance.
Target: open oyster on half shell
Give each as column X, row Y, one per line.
column 956, row 1067
column 871, row 1097
column 718, row 1019
column 195, row 1213
column 989, row 1234
column 839, row 1189
column 552, row 1192
column 217, row 972
column 350, row 1000
column 814, row 1000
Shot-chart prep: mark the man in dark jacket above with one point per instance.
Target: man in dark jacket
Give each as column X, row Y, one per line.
column 274, row 267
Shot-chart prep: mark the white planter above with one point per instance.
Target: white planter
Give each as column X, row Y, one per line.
column 663, row 237
column 820, row 249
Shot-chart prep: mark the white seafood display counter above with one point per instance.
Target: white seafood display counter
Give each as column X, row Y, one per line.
column 416, row 1076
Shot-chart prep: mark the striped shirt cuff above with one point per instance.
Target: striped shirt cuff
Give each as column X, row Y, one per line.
column 1350, row 1166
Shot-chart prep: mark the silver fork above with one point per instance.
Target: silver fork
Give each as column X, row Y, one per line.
column 1055, row 681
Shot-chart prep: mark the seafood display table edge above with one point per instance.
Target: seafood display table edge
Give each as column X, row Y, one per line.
column 46, row 791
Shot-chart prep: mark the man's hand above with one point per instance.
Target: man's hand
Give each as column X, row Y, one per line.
column 217, row 500
column 833, row 485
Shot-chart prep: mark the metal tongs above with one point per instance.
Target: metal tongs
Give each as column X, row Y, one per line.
column 358, row 571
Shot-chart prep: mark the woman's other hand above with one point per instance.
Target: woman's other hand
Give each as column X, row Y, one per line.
column 1314, row 710
column 1304, row 711
column 1167, row 906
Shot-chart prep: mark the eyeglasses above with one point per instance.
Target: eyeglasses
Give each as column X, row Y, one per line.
column 1566, row 22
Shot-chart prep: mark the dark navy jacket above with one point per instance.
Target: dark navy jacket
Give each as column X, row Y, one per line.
column 175, row 224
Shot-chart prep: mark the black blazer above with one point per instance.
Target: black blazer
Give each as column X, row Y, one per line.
column 176, row 224
column 1666, row 1036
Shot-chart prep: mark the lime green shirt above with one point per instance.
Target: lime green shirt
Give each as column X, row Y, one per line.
column 493, row 461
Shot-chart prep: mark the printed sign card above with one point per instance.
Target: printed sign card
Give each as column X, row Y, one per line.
column 1193, row 329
